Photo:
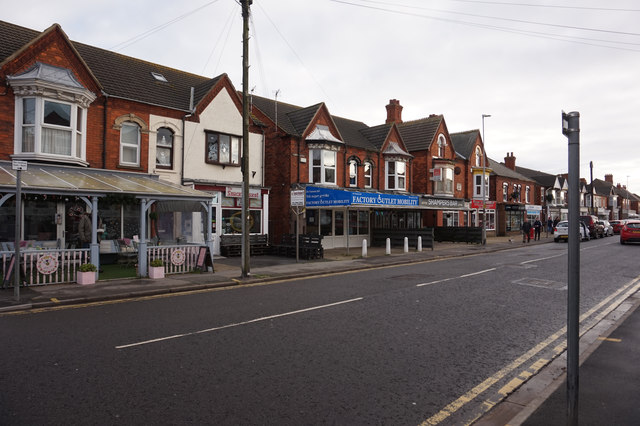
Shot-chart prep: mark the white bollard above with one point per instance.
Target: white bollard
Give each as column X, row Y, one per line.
column 406, row 244
column 419, row 243
column 364, row 248
column 388, row 249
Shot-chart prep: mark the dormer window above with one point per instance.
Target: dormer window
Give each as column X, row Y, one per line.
column 50, row 115
column 159, row 77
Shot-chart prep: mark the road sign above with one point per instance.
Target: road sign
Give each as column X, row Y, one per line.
column 297, row 198
column 19, row 165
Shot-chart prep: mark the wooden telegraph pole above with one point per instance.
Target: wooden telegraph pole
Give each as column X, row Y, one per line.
column 246, row 247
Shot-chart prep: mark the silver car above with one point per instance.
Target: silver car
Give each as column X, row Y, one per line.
column 608, row 228
column 561, row 231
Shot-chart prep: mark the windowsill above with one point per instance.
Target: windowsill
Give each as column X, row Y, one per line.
column 129, row 167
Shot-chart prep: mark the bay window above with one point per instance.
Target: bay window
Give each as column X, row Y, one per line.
column 396, row 175
column 323, row 166
column 50, row 114
column 444, row 186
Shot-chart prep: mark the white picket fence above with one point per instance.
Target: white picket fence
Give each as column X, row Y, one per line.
column 178, row 259
column 42, row 267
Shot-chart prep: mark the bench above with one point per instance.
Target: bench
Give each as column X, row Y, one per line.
column 231, row 245
column 310, row 246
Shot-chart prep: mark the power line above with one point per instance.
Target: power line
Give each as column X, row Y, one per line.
column 227, row 27
column 521, row 21
column 549, row 6
column 154, row 30
column 558, row 37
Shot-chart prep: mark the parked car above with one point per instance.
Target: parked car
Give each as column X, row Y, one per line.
column 617, row 225
column 608, row 228
column 561, row 231
column 595, row 230
column 630, row 232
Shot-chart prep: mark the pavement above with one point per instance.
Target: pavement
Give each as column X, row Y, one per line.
column 610, row 352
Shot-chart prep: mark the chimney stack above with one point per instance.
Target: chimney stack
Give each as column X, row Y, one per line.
column 510, row 161
column 608, row 178
column 394, row 112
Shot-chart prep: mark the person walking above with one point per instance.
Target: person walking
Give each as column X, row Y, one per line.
column 526, row 231
column 537, row 227
column 549, row 226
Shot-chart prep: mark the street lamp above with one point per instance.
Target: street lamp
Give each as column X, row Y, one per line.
column 484, row 185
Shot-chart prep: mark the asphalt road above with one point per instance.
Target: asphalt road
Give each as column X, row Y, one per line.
column 435, row 342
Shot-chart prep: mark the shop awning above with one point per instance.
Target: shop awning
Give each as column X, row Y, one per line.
column 47, row 179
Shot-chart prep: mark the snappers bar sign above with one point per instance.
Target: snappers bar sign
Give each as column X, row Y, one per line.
column 236, row 192
column 326, row 197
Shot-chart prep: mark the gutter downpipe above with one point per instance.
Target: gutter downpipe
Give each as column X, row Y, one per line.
column 104, row 130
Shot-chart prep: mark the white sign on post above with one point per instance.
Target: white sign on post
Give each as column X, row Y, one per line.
column 297, row 198
column 19, row 165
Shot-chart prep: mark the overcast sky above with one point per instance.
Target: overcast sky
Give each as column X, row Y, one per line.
column 521, row 63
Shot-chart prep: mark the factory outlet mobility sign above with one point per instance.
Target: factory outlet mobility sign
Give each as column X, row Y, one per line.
column 328, row 197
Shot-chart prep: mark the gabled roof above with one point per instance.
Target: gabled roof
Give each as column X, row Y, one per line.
column 351, row 132
column 278, row 112
column 119, row 75
column 602, row 187
column 500, row 169
column 545, row 180
column 301, row 118
column 377, row 135
column 463, row 142
column 419, row 134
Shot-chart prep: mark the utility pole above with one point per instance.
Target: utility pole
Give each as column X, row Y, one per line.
column 571, row 129
column 246, row 245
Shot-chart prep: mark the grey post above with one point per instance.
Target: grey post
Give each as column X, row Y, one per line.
column 16, row 263
column 571, row 129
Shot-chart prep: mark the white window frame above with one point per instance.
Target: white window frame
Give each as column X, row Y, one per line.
column 478, row 157
column 477, row 186
column 323, row 166
column 76, row 129
column 368, row 173
column 445, row 185
column 505, row 192
column 398, row 179
column 353, row 173
column 442, row 143
column 125, row 144
column 527, row 194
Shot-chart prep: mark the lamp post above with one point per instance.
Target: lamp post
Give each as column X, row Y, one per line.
column 484, row 185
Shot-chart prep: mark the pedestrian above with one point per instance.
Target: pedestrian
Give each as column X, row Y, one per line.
column 537, row 227
column 549, row 226
column 555, row 221
column 84, row 231
column 526, row 231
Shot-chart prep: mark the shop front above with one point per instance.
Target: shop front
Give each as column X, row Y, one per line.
column 227, row 211
column 346, row 218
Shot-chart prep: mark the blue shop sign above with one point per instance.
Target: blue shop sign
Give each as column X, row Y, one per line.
column 327, row 197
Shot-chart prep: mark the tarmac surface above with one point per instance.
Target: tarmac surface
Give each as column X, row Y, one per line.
column 610, row 352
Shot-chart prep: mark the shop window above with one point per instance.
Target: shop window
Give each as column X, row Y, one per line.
column 232, row 221
column 358, row 222
column 222, row 149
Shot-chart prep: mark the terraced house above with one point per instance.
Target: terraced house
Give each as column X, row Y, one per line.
column 152, row 153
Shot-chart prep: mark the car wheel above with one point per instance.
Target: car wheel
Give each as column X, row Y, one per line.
column 555, row 240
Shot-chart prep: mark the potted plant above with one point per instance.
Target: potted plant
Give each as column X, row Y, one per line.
column 156, row 269
column 86, row 274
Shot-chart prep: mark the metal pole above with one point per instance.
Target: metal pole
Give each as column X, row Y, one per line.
column 571, row 128
column 18, row 230
column 246, row 248
column 484, row 185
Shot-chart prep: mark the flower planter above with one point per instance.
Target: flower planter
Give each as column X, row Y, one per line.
column 85, row 278
column 156, row 272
